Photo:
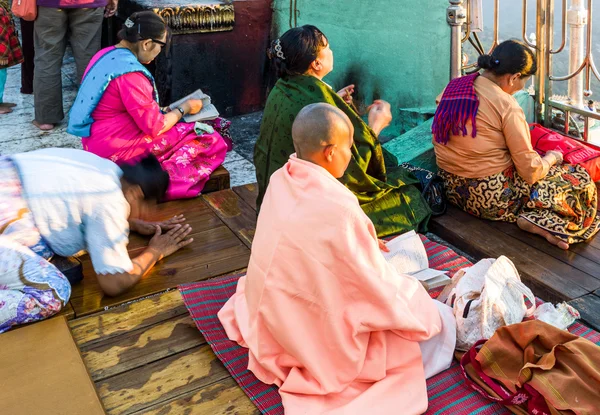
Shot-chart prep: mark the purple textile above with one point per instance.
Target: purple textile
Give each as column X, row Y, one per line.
column 459, row 104
column 72, row 4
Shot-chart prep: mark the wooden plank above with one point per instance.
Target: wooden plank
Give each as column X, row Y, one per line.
column 248, row 193
column 140, row 347
column 236, row 214
column 161, row 381
column 219, row 180
column 589, row 308
column 126, row 318
column 550, row 279
column 199, row 216
column 224, row 397
column 575, row 259
column 589, row 249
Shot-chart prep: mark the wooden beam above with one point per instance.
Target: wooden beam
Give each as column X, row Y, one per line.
column 104, row 326
column 248, row 193
column 161, row 381
column 224, row 397
column 549, row 278
column 235, row 213
column 219, row 180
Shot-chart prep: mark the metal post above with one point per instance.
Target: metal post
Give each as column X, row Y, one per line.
column 456, row 17
column 577, row 20
column 549, row 41
column 540, row 81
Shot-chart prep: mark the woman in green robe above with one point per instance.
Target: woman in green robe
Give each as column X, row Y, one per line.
column 389, row 196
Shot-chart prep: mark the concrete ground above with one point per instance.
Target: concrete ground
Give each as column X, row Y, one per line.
column 17, row 134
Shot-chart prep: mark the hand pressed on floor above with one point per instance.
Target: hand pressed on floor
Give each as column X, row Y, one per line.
column 149, row 228
column 172, row 241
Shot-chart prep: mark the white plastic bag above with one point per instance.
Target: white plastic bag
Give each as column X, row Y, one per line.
column 484, row 297
column 562, row 316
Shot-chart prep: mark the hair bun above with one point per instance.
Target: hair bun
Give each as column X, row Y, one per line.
column 486, row 61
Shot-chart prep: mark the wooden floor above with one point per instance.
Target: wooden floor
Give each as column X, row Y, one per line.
column 145, row 354
column 147, row 357
column 552, row 273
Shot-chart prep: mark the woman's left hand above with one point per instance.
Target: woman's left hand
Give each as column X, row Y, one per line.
column 149, row 228
column 346, row 93
column 195, row 106
column 558, row 156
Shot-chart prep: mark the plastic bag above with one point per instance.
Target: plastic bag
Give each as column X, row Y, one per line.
column 561, row 316
column 484, row 297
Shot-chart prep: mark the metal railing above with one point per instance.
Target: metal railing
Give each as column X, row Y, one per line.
column 576, row 29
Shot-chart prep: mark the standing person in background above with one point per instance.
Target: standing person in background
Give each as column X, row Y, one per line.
column 10, row 51
column 80, row 23
column 28, row 56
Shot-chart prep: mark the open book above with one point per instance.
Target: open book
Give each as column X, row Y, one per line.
column 208, row 112
column 407, row 254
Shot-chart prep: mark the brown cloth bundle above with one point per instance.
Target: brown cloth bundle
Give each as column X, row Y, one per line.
column 562, row 367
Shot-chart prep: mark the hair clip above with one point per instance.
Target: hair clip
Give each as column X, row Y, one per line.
column 129, row 23
column 278, row 50
column 497, row 62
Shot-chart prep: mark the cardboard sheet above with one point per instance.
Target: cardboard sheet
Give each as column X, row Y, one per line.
column 42, row 372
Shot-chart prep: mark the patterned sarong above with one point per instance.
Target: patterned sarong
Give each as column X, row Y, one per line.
column 31, row 288
column 563, row 203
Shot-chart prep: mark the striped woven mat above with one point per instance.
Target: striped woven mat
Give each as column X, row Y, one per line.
column 448, row 394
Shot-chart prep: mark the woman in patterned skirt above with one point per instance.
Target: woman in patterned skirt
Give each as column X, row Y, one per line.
column 483, row 148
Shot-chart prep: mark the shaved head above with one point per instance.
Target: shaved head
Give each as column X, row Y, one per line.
column 317, row 126
column 324, row 135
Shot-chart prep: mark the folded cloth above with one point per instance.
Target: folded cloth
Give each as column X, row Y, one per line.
column 540, row 367
column 573, row 151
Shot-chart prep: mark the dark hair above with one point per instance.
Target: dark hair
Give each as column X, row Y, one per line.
column 510, row 57
column 149, row 175
column 145, row 25
column 298, row 48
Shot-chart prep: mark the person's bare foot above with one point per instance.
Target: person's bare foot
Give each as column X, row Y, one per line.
column 43, row 127
column 5, row 110
column 7, row 105
column 527, row 226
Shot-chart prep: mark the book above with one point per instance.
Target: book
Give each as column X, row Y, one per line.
column 408, row 256
column 208, row 112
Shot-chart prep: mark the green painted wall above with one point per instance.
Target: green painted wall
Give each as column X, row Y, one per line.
column 397, row 50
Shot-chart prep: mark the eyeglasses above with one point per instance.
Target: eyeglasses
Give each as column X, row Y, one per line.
column 160, row 42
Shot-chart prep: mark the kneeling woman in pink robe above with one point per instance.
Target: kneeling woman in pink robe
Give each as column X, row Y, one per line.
column 116, row 112
column 324, row 316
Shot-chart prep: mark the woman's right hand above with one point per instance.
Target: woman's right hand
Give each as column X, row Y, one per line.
column 170, row 242
column 194, row 106
column 380, row 115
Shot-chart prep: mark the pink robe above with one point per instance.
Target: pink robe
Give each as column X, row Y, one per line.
column 324, row 316
column 127, row 123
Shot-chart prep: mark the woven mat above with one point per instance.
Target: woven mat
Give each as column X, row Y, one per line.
column 448, row 394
